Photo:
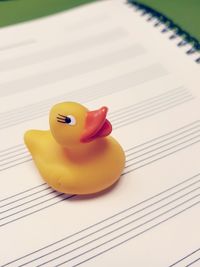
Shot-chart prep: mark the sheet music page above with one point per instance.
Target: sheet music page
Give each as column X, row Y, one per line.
column 101, row 54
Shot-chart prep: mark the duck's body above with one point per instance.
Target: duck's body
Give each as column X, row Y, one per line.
column 91, row 172
column 86, row 166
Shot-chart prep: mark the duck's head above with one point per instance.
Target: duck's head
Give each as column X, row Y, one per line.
column 72, row 124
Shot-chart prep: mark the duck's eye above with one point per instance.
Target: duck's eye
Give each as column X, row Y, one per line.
column 69, row 119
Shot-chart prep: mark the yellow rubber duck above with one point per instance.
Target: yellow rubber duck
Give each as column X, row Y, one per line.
column 76, row 156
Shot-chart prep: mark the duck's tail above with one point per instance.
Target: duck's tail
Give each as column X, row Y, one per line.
column 31, row 139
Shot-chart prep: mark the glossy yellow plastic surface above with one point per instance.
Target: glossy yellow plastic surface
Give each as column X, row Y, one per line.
column 76, row 156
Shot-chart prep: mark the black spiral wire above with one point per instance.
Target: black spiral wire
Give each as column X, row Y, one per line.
column 176, row 30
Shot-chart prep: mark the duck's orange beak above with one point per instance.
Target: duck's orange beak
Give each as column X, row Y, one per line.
column 96, row 125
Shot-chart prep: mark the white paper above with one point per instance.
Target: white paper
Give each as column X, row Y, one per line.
column 103, row 53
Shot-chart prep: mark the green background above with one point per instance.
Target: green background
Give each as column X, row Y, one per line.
column 22, row 10
column 184, row 13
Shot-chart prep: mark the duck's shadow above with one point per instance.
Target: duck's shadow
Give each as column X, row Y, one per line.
column 95, row 195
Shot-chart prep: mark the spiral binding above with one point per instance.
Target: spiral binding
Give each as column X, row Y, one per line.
column 169, row 26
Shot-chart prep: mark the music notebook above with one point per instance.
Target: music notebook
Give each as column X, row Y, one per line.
column 114, row 54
